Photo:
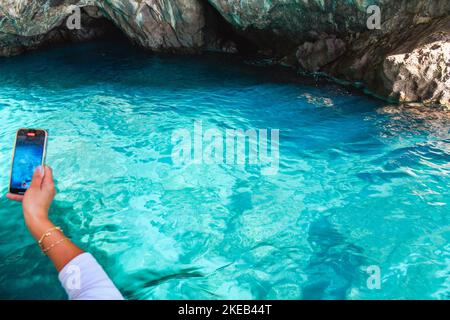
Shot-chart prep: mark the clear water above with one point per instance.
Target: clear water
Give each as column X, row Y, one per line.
column 358, row 185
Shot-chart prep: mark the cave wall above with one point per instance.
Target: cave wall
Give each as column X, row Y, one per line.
column 408, row 59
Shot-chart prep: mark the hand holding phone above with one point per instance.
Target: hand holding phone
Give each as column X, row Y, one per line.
column 29, row 153
column 37, row 200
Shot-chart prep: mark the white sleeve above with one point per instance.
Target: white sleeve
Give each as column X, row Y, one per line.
column 84, row 279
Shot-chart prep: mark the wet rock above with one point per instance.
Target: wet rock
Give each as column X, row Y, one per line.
column 395, row 62
column 17, row 39
column 408, row 66
column 159, row 25
column 312, row 56
column 406, row 60
column 420, row 75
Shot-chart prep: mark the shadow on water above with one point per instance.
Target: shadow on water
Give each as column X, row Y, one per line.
column 28, row 274
column 114, row 63
column 335, row 265
column 25, row 273
column 240, row 201
column 142, row 281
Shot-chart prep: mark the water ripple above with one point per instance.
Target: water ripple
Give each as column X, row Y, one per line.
column 359, row 183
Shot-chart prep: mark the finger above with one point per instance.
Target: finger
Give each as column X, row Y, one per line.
column 38, row 177
column 48, row 181
column 14, row 197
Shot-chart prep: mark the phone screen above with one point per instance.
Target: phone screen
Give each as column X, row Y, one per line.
column 29, row 154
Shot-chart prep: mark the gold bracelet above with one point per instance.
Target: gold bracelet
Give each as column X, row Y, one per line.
column 48, row 234
column 53, row 245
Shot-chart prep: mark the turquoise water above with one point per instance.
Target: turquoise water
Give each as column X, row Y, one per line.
column 358, row 184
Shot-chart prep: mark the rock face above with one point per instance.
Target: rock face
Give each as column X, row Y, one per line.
column 411, row 65
column 407, row 59
column 313, row 56
column 160, row 25
column 293, row 21
column 423, row 74
column 22, row 34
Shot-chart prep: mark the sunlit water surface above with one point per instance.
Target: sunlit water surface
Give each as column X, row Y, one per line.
column 359, row 184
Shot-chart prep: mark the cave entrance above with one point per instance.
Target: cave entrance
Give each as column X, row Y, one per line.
column 94, row 26
column 220, row 35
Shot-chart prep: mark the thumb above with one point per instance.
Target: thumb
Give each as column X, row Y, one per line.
column 38, row 176
column 48, row 182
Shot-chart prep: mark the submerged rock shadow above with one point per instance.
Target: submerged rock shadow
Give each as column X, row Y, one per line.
column 334, row 266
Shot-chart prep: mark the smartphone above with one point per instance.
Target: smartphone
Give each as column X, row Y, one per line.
column 29, row 153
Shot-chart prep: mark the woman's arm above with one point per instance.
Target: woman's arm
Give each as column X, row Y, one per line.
column 93, row 283
column 36, row 204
